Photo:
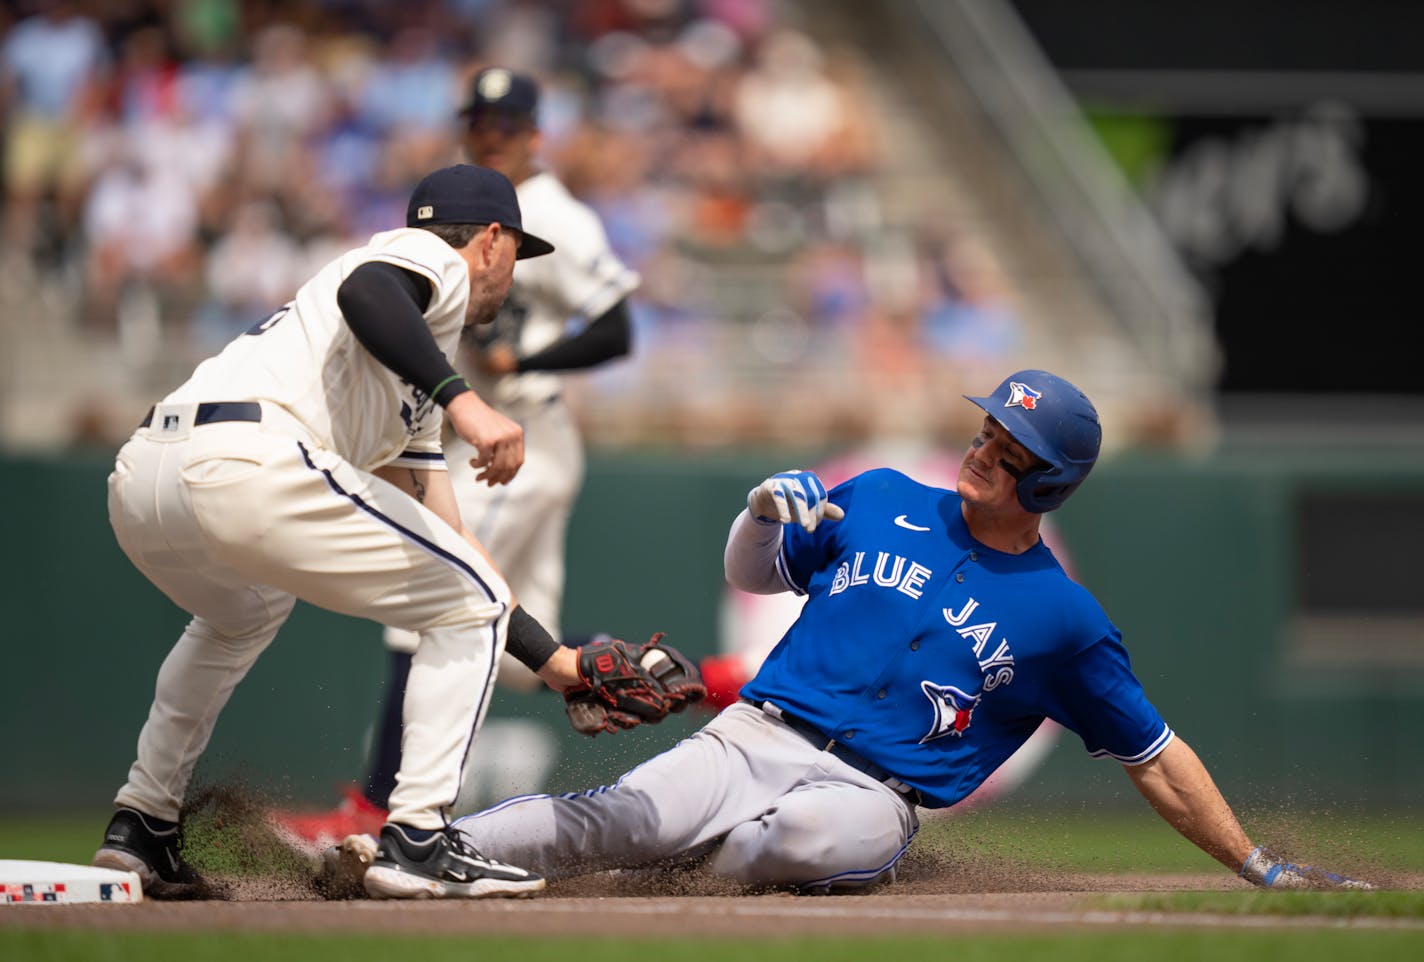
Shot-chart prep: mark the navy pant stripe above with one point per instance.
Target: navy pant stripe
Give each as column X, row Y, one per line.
column 456, row 562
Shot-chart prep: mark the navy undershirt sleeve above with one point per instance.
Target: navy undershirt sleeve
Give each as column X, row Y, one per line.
column 529, row 641
column 607, row 336
column 384, row 305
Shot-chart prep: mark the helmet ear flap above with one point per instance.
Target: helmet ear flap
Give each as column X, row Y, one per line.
column 1038, row 491
column 1032, row 490
column 1043, row 498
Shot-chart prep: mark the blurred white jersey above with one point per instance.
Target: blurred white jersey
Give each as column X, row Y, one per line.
column 306, row 359
column 581, row 279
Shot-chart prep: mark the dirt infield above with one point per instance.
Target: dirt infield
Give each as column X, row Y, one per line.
column 266, row 888
column 749, row 917
column 917, row 905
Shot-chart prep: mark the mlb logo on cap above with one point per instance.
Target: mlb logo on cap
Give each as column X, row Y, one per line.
column 425, row 213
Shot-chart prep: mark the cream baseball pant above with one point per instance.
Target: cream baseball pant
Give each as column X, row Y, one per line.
column 523, row 524
column 233, row 521
column 760, row 803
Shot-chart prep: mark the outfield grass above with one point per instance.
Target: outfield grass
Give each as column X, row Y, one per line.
column 1137, row 841
column 52, row 838
column 1117, row 946
column 1381, row 904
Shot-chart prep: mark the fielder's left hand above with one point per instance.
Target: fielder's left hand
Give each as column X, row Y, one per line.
column 792, row 496
column 1266, row 869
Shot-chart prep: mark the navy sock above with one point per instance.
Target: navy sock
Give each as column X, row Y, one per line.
column 386, row 748
column 417, row 834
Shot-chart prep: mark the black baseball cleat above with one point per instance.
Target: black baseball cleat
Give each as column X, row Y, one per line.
column 444, row 866
column 135, row 842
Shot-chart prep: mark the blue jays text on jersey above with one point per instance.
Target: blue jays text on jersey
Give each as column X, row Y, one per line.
column 937, row 657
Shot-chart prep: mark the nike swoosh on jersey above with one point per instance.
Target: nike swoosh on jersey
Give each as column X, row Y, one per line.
column 904, row 523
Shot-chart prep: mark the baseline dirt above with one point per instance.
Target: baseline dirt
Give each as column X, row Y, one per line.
column 268, row 888
column 902, row 909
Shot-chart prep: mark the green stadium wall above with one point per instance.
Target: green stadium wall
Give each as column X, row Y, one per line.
column 1198, row 561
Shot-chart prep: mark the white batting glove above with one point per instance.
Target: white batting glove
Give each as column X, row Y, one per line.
column 1265, row 869
column 792, row 496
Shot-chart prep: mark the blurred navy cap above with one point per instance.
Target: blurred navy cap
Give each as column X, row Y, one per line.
column 466, row 194
column 496, row 90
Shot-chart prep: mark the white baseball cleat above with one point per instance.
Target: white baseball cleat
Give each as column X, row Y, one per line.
column 444, row 866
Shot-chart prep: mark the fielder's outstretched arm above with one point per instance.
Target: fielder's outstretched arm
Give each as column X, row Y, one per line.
column 1177, row 785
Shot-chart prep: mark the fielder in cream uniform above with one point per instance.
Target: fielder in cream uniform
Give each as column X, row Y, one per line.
column 304, row 461
column 565, row 313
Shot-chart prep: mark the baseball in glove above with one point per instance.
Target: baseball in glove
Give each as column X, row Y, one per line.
column 628, row 685
column 680, row 680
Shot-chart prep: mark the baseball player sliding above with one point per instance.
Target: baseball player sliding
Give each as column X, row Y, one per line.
column 304, row 461
column 938, row 634
column 567, row 311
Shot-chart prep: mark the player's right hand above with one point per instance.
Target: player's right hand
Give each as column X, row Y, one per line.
column 497, row 440
column 498, row 358
column 792, row 497
column 1265, row 869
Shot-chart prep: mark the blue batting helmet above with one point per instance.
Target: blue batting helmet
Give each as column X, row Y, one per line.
column 1057, row 423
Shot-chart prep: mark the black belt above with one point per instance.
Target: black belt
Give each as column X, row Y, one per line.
column 852, row 758
column 213, row 411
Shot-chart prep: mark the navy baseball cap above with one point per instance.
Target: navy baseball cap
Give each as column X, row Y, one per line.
column 496, row 90
column 466, row 194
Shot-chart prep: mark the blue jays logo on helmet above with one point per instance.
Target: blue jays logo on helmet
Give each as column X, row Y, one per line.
column 1057, row 424
column 953, row 710
column 1023, row 396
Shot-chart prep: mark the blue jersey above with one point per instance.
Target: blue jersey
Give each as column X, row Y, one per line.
column 936, row 657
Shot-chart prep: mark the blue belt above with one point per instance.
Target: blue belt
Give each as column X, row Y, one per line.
column 211, row 412
column 854, row 759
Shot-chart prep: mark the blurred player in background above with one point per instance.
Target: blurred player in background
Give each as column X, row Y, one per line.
column 566, row 312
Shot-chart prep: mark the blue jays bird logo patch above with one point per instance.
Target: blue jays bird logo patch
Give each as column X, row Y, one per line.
column 953, row 709
column 1022, row 396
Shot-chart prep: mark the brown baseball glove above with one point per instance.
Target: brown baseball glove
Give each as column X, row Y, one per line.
column 629, row 685
column 616, row 692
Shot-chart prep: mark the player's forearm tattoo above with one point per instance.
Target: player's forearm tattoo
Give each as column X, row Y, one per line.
column 419, row 488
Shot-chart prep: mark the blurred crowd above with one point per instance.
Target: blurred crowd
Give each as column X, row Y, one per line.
column 186, row 164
